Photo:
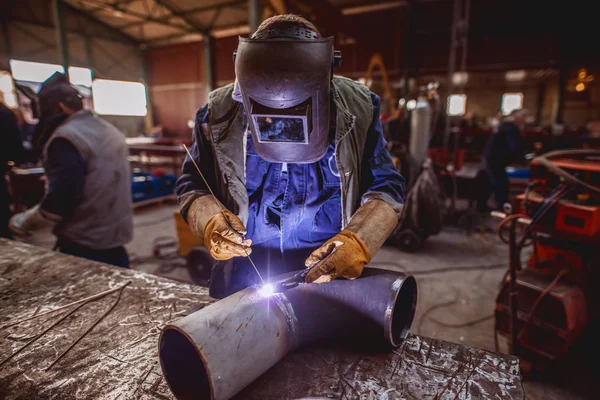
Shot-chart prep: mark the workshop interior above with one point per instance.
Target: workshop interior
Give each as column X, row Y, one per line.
column 299, row 199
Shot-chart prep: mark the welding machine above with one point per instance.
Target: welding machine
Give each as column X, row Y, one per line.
column 545, row 307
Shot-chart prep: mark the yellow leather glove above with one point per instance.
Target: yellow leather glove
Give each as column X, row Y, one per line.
column 224, row 238
column 344, row 255
column 222, row 232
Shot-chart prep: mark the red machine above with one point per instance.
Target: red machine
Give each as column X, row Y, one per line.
column 545, row 307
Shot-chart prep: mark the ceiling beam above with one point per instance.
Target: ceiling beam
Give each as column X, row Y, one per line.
column 184, row 16
column 373, row 7
column 200, row 9
column 135, row 14
column 115, row 3
column 194, row 10
column 122, row 35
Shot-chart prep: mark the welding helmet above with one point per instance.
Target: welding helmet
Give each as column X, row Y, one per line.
column 284, row 77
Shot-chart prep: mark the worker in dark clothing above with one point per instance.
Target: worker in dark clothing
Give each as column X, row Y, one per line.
column 88, row 199
column 502, row 148
column 296, row 158
column 11, row 149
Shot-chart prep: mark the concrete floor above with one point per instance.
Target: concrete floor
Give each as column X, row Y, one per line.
column 458, row 276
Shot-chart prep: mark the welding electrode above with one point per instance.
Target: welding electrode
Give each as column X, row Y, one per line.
column 222, row 210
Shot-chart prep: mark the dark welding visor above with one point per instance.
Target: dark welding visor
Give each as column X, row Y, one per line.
column 286, row 125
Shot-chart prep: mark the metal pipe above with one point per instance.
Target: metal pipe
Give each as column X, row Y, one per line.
column 217, row 351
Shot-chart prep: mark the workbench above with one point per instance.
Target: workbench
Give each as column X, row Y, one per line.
column 118, row 359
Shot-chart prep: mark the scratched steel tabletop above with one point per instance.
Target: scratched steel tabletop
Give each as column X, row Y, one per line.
column 118, row 358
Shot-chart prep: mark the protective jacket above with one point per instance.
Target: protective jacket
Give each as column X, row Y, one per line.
column 220, row 146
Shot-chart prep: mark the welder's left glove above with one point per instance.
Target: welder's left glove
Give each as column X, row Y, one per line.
column 346, row 254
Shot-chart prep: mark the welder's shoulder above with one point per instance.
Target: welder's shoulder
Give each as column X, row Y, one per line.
column 222, row 94
column 349, row 87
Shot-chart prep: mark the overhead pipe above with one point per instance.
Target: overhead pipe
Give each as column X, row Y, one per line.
column 216, row 352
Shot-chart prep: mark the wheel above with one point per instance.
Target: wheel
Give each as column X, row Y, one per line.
column 200, row 264
column 408, row 241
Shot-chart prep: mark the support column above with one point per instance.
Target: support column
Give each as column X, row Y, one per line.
column 89, row 54
column 5, row 63
column 540, row 103
column 209, row 73
column 62, row 43
column 149, row 118
column 562, row 91
column 254, row 14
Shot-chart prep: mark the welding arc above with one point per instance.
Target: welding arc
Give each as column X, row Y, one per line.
column 88, row 329
column 79, row 304
column 84, row 300
column 221, row 207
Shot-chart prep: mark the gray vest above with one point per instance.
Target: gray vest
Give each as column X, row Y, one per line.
column 227, row 132
column 103, row 218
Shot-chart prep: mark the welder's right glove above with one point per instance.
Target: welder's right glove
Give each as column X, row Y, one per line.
column 222, row 231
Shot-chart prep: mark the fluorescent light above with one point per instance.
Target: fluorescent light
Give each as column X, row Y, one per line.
column 33, row 71
column 457, row 104
column 80, row 76
column 515, row 75
column 119, row 97
column 460, row 78
column 511, row 102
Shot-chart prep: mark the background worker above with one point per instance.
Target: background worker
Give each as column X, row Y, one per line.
column 502, row 148
column 88, row 199
column 298, row 160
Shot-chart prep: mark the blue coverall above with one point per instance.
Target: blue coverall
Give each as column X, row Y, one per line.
column 295, row 208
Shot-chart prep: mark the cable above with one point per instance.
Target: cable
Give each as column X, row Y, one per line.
column 439, row 270
column 551, row 286
column 542, row 211
column 530, row 186
column 545, row 161
column 506, row 220
column 463, row 325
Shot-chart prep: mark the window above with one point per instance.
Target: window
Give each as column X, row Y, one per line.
column 119, row 97
column 80, row 76
column 457, row 105
column 511, row 102
column 38, row 72
column 33, row 71
column 7, row 89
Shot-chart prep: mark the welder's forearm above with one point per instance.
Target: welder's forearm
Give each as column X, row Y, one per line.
column 380, row 180
column 373, row 222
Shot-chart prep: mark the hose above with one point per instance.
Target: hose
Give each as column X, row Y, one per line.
column 545, row 161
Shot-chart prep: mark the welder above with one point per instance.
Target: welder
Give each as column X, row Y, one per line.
column 298, row 159
column 88, row 198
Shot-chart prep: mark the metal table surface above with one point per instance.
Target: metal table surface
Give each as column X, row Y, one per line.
column 118, row 359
